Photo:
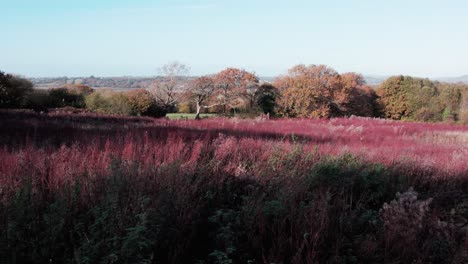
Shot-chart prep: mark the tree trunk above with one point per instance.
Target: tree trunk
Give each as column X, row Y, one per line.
column 197, row 116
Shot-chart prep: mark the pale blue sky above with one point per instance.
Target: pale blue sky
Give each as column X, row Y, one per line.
column 426, row 38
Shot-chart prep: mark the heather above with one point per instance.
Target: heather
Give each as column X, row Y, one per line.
column 89, row 188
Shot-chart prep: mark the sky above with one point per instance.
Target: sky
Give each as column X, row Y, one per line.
column 47, row 38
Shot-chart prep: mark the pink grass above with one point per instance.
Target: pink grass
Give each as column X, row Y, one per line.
column 236, row 147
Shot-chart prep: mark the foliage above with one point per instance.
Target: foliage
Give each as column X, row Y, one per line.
column 185, row 116
column 185, row 108
column 108, row 102
column 143, row 103
column 404, row 97
column 234, row 88
column 61, row 97
column 100, row 189
column 68, row 96
column 265, row 98
column 319, row 91
column 464, row 107
column 80, row 89
column 200, row 92
column 37, row 100
column 13, row 90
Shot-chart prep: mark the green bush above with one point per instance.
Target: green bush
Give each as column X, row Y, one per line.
column 13, row 90
column 265, row 98
column 138, row 102
column 61, row 97
column 38, row 100
column 108, row 102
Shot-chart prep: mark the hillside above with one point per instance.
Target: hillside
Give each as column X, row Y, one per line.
column 123, row 83
column 463, row 79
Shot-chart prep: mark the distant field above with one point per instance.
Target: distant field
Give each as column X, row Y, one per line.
column 188, row 116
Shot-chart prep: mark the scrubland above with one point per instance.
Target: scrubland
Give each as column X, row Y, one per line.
column 88, row 188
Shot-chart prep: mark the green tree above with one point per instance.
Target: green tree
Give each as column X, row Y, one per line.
column 405, row 97
column 265, row 98
column 13, row 90
column 402, row 96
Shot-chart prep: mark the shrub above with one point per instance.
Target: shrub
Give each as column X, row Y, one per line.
column 138, row 102
column 143, row 103
column 38, row 100
column 61, row 97
column 425, row 114
column 265, row 98
column 13, row 90
column 185, row 108
column 317, row 91
column 108, row 102
column 101, row 189
column 79, row 89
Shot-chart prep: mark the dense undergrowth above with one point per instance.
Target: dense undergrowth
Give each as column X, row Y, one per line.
column 93, row 189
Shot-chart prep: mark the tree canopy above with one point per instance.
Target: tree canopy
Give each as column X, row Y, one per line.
column 405, row 97
column 319, row 91
column 12, row 90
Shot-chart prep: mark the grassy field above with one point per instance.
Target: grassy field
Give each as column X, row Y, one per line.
column 173, row 116
column 88, row 188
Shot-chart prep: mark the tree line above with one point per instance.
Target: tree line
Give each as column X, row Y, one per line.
column 313, row 91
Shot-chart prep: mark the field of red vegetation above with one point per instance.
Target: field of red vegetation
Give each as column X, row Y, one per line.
column 436, row 146
column 239, row 180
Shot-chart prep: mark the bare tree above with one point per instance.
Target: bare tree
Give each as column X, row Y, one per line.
column 167, row 88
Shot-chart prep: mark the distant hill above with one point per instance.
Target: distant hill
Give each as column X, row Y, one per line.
column 127, row 83
column 376, row 80
column 463, row 79
column 118, row 83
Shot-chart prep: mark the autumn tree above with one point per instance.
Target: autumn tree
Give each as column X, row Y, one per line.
column 201, row 90
column 167, row 89
column 305, row 91
column 463, row 112
column 79, row 89
column 355, row 97
column 142, row 102
column 232, row 87
column 403, row 96
column 319, row 91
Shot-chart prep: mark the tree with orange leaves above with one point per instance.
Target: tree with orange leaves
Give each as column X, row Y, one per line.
column 319, row 91
column 233, row 86
column 356, row 97
column 201, row 90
